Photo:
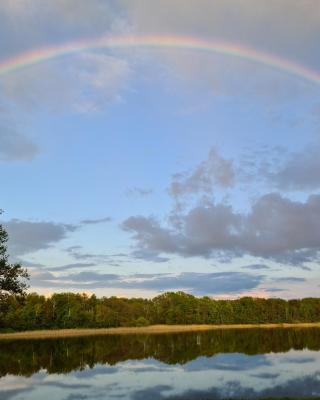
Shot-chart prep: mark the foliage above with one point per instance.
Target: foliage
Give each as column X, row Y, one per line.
column 141, row 321
column 12, row 279
column 12, row 276
column 71, row 310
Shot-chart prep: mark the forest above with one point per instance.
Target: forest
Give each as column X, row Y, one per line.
column 70, row 310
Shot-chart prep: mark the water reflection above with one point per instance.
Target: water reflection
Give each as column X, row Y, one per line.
column 214, row 364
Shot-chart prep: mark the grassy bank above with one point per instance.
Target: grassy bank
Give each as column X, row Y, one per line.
column 154, row 329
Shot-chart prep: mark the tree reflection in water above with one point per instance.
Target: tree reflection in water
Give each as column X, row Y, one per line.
column 26, row 357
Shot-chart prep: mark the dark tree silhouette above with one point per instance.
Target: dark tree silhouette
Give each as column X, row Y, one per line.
column 12, row 276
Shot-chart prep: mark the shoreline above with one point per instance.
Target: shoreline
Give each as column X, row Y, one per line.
column 153, row 329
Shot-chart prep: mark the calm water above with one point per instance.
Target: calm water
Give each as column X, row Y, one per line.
column 216, row 364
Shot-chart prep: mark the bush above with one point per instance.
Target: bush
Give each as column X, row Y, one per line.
column 141, row 321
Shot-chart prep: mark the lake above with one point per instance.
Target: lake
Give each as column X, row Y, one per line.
column 249, row 363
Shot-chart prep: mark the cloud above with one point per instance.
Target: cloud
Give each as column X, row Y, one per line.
column 266, row 375
column 214, row 171
column 86, row 82
column 102, row 77
column 228, row 362
column 204, row 283
column 256, row 267
column 305, row 386
column 196, row 283
column 27, row 237
column 275, row 290
column 290, row 279
column 91, row 278
column 95, row 221
column 249, row 21
column 113, row 260
column 256, row 23
column 89, row 82
column 148, row 255
column 71, row 266
column 299, row 360
column 11, row 393
column 137, row 191
column 15, row 146
column 299, row 172
column 44, row 86
column 156, row 392
column 274, row 228
column 83, row 82
column 150, row 236
column 36, row 21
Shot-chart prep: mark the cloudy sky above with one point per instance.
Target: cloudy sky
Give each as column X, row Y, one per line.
column 141, row 169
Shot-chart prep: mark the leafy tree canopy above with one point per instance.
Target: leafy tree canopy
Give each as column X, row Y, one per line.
column 12, row 276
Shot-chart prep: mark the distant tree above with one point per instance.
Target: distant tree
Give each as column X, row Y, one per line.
column 12, row 276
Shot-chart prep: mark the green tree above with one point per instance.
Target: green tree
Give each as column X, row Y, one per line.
column 12, row 276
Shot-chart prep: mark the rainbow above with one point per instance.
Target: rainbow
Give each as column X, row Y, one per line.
column 43, row 54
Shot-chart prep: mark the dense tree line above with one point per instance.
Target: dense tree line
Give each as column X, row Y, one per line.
column 70, row 310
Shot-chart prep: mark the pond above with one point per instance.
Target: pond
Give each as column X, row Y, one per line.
column 250, row 363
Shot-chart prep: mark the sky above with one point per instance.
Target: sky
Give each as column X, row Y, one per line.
column 151, row 146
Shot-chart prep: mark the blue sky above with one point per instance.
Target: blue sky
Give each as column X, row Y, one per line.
column 135, row 171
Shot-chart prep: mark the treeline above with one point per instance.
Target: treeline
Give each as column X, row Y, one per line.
column 69, row 310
